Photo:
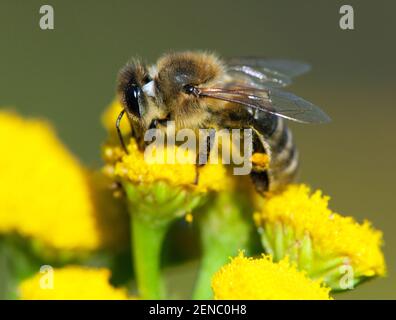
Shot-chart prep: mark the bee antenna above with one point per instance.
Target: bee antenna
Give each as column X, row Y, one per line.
column 118, row 122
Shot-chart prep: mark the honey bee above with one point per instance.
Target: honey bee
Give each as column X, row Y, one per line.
column 199, row 90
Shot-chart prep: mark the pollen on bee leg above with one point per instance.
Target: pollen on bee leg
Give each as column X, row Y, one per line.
column 260, row 160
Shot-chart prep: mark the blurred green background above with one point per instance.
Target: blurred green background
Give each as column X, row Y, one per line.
column 68, row 76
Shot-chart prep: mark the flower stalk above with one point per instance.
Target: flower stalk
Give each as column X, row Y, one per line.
column 224, row 231
column 146, row 244
column 153, row 208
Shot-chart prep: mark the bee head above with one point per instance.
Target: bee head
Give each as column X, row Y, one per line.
column 131, row 79
column 179, row 76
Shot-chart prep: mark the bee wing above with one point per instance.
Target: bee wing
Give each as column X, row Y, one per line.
column 270, row 72
column 274, row 101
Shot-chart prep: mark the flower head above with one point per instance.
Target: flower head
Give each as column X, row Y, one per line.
column 299, row 224
column 152, row 180
column 149, row 167
column 47, row 195
column 71, row 283
column 141, row 168
column 262, row 279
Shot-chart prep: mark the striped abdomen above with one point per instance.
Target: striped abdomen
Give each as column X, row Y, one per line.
column 279, row 145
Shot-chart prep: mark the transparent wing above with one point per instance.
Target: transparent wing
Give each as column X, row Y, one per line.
column 270, row 72
column 280, row 103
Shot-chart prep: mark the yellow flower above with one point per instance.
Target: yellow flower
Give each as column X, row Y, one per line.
column 299, row 224
column 261, row 279
column 162, row 180
column 136, row 168
column 71, row 283
column 160, row 190
column 47, row 195
column 146, row 167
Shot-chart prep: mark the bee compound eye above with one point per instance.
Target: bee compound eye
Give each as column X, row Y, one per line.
column 132, row 95
column 190, row 89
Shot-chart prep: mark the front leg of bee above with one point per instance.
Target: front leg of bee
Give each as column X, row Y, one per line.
column 119, row 133
column 125, row 137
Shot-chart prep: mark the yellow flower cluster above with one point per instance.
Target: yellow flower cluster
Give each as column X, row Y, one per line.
column 46, row 194
column 261, row 279
column 138, row 168
column 71, row 283
column 332, row 235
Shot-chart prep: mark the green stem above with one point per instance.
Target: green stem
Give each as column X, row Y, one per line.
column 17, row 262
column 212, row 260
column 224, row 231
column 152, row 209
column 146, row 244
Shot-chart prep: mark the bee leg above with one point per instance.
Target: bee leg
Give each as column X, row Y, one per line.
column 259, row 175
column 260, row 181
column 118, row 126
column 203, row 157
column 196, row 180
